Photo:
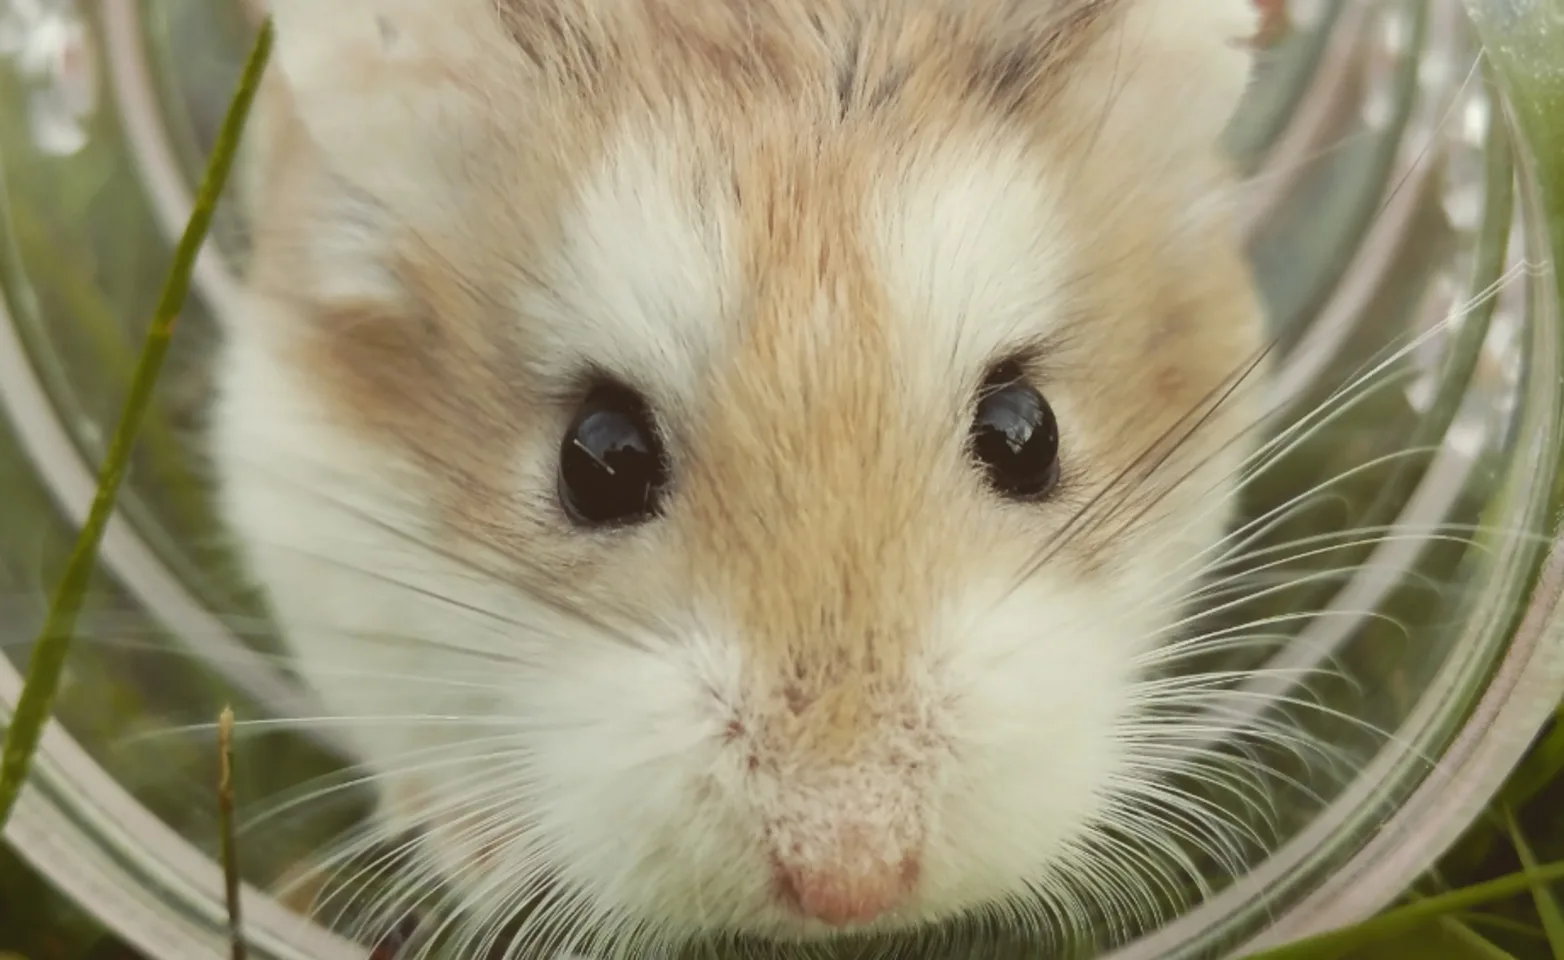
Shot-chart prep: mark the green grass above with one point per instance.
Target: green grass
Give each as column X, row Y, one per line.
column 1496, row 894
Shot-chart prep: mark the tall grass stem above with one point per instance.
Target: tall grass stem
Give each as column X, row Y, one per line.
column 53, row 644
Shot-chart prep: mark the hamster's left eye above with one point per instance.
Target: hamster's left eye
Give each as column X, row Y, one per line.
column 1015, row 438
column 612, row 467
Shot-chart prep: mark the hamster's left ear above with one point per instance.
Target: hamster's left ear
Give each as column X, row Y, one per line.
column 389, row 90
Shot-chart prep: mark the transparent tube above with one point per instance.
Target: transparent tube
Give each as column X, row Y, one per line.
column 1390, row 189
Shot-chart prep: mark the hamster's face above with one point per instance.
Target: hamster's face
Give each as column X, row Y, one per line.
column 730, row 464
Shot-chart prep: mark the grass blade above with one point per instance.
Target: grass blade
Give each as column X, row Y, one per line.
column 1478, row 944
column 1333, row 944
column 1505, row 924
column 53, row 644
column 1547, row 907
column 225, row 823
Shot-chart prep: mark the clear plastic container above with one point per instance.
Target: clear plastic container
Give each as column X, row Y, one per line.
column 1398, row 219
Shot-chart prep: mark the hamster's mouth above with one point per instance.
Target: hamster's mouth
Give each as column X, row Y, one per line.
column 904, row 936
column 791, row 927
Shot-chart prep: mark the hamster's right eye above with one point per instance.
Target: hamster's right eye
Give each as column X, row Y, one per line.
column 1015, row 437
column 612, row 467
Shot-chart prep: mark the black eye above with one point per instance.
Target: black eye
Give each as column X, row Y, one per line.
column 612, row 470
column 1015, row 436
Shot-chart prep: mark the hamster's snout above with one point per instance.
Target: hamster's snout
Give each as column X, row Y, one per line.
column 857, row 889
column 842, row 788
column 847, row 854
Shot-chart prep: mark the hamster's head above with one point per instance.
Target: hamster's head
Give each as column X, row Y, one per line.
column 728, row 464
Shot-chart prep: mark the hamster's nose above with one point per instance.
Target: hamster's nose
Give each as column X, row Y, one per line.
column 847, row 893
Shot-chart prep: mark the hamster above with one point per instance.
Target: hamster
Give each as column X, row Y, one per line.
column 726, row 464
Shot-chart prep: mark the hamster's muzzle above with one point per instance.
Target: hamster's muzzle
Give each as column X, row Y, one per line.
column 846, row 846
column 841, row 777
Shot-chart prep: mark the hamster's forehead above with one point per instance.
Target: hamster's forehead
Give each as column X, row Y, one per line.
column 833, row 182
column 803, row 258
column 899, row 194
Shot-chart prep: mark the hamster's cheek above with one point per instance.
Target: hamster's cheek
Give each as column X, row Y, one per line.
column 631, row 782
column 527, row 746
column 1039, row 679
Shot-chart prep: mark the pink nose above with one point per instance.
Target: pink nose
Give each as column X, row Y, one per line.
column 843, row 894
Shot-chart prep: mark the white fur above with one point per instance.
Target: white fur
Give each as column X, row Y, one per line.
column 970, row 242
column 643, row 281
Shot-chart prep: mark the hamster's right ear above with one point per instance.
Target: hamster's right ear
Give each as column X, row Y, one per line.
column 1157, row 81
column 390, row 91
column 1184, row 64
